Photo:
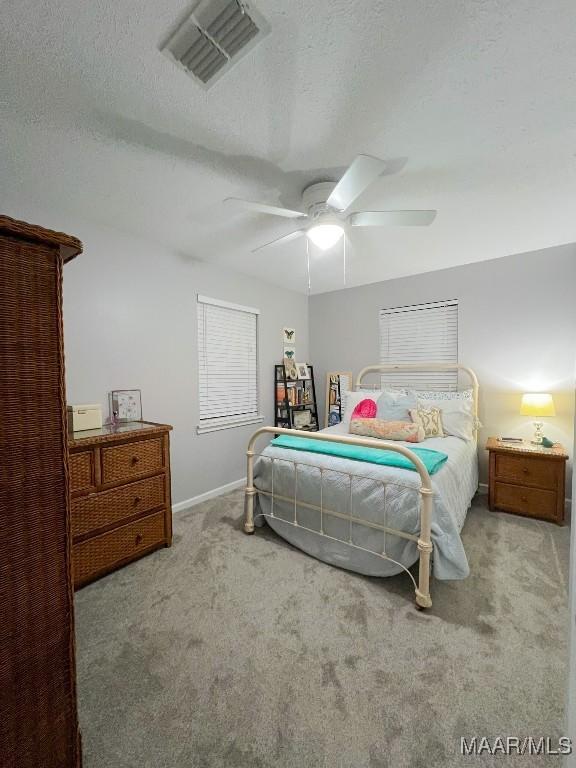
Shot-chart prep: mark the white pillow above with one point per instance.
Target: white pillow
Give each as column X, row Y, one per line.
column 457, row 415
column 351, row 399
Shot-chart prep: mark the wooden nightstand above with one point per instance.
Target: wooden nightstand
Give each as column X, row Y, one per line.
column 527, row 479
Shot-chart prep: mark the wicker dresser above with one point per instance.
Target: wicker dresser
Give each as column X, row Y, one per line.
column 38, row 718
column 120, row 486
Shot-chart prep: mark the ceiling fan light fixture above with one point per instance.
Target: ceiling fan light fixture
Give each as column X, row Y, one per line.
column 324, row 236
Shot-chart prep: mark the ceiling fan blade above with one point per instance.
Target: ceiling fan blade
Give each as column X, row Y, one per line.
column 280, row 240
column 262, row 208
column 392, row 218
column 361, row 173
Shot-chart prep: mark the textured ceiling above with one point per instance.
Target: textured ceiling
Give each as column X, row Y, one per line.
column 472, row 101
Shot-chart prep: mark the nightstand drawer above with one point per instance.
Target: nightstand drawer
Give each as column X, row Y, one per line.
column 535, row 472
column 532, row 502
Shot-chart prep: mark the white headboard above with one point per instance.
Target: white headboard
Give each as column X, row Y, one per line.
column 425, row 367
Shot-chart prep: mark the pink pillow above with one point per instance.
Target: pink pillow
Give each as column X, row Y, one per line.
column 387, row 430
column 366, row 409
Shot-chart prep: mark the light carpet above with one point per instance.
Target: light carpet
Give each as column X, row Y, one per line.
column 235, row 650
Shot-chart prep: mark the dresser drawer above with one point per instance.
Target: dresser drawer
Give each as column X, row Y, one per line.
column 539, row 473
column 100, row 510
column 532, row 502
column 81, row 471
column 96, row 556
column 124, row 462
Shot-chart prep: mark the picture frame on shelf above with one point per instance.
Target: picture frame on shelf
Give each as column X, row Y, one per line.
column 302, row 419
column 126, row 405
column 303, row 371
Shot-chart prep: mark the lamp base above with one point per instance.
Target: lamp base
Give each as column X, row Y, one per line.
column 537, row 433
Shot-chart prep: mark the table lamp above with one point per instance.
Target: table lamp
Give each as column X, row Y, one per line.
column 537, row 405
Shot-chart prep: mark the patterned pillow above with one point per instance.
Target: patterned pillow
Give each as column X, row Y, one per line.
column 430, row 419
column 457, row 416
column 387, row 430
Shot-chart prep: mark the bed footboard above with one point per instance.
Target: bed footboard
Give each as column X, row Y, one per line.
column 423, row 539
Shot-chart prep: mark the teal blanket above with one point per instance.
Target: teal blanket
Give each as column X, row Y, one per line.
column 432, row 460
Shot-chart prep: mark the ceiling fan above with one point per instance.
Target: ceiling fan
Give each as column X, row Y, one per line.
column 326, row 204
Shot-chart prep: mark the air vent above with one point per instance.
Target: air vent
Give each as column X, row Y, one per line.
column 214, row 37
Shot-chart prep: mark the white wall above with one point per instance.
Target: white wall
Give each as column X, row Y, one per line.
column 130, row 322
column 517, row 329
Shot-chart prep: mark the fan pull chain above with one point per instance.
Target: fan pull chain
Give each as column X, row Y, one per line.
column 308, row 262
column 344, row 259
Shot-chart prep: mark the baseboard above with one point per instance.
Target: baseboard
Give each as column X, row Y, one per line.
column 208, row 495
column 482, row 487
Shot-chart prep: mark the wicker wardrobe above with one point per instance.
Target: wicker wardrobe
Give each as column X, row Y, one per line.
column 38, row 718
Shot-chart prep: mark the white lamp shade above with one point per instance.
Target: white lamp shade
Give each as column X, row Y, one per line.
column 325, row 235
column 537, row 404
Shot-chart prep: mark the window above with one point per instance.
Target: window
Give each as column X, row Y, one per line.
column 228, row 365
column 421, row 333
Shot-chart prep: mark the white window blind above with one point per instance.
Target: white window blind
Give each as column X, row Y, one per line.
column 421, row 333
column 228, row 364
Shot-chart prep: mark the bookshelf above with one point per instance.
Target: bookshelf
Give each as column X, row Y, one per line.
column 337, row 383
column 295, row 405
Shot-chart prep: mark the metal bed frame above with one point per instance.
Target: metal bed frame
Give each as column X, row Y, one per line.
column 422, row 538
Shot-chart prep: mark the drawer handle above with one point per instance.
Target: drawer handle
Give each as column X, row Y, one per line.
column 526, row 471
column 137, row 500
column 139, row 538
column 524, row 500
column 135, row 459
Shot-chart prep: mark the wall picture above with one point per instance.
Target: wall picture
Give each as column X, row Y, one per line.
column 289, row 335
column 289, row 351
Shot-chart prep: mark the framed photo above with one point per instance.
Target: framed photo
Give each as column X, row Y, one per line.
column 291, row 369
column 126, row 405
column 302, row 419
column 289, row 335
column 303, row 372
column 289, row 351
